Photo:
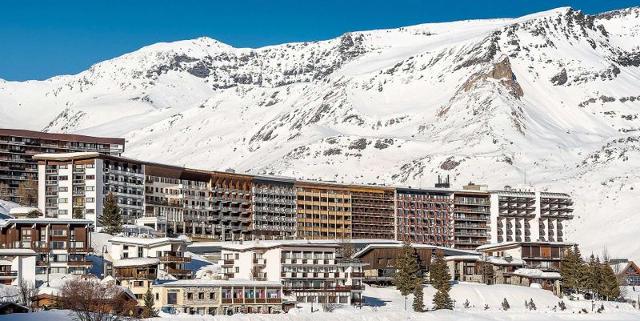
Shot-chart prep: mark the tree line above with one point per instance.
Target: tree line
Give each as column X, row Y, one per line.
column 592, row 278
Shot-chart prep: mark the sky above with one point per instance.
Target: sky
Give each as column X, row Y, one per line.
column 45, row 38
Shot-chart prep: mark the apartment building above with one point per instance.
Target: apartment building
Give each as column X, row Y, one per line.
column 545, row 256
column 526, row 216
column 178, row 199
column 219, row 297
column 136, row 262
column 471, row 217
column 18, row 146
column 60, row 245
column 75, row 185
column 231, row 201
column 17, row 265
column 424, row 216
column 372, row 212
column 324, row 211
column 310, row 271
column 273, row 207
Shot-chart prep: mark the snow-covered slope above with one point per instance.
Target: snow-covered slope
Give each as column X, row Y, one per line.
column 553, row 97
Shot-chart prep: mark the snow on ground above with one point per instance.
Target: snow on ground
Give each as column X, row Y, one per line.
column 386, row 304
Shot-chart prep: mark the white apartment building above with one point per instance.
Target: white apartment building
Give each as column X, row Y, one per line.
column 528, row 216
column 310, row 271
column 75, row 185
column 17, row 265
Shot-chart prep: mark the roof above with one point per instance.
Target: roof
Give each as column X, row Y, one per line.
column 229, row 282
column 43, row 220
column 489, row 259
column 398, row 244
column 147, row 241
column 4, row 305
column 17, row 252
column 622, row 267
column 537, row 274
column 138, row 261
column 22, row 210
column 516, row 244
column 63, row 137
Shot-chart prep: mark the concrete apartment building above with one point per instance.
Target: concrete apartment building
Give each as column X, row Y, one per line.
column 229, row 206
column 310, row 271
column 526, row 216
column 75, row 185
column 58, row 245
column 18, row 146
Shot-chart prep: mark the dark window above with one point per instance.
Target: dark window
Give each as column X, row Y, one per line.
column 172, row 298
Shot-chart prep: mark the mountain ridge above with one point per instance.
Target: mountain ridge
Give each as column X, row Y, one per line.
column 552, row 97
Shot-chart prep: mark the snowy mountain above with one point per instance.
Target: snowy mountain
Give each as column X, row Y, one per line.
column 549, row 100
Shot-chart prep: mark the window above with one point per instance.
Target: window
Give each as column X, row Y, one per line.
column 138, row 283
column 90, row 188
column 58, row 245
column 63, row 178
column 59, row 232
column 125, row 255
column 90, row 177
column 172, row 298
column 140, row 252
column 62, row 200
column 189, row 296
column 63, row 167
column 201, row 296
column 63, row 189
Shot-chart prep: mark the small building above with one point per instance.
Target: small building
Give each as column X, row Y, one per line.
column 545, row 256
column 10, row 308
column 219, row 297
column 379, row 259
column 17, row 265
column 626, row 271
column 547, row 280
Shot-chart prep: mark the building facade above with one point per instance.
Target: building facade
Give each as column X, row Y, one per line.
column 372, row 212
column 324, row 211
column 424, row 216
column 528, row 216
column 60, row 245
column 17, row 148
column 219, row 297
column 75, row 185
column 471, row 218
column 273, row 207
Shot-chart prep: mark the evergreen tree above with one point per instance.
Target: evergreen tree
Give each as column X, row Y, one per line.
column 440, row 277
column 407, row 270
column 418, row 297
column 505, row 304
column 111, row 219
column 593, row 277
column 610, row 287
column 148, row 311
column 569, row 271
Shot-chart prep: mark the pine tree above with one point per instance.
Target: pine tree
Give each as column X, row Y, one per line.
column 407, row 270
column 569, row 271
column 593, row 278
column 505, row 305
column 610, row 287
column 148, row 311
column 418, row 297
column 111, row 219
column 440, row 277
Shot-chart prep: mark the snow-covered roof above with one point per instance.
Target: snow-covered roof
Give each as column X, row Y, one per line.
column 246, row 245
column 139, row 261
column 503, row 260
column 22, row 210
column 147, row 241
column 20, row 252
column 492, row 246
column 43, row 220
column 6, row 206
column 462, row 258
column 229, row 282
column 399, row 244
column 66, row 156
column 5, row 262
column 537, row 274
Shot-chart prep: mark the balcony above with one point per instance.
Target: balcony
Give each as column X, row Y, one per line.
column 173, row 257
column 180, row 272
column 8, row 274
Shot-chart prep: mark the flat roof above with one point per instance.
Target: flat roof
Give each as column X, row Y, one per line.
column 516, row 244
column 43, row 220
column 147, row 241
column 229, row 282
column 59, row 136
column 399, row 244
column 138, row 261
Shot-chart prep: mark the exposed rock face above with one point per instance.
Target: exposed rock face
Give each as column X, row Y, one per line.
column 482, row 100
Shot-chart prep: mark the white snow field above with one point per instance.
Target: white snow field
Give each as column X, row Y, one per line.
column 553, row 97
column 386, row 304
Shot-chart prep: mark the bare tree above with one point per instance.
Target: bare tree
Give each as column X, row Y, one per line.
column 89, row 300
column 5, row 191
column 28, row 192
column 347, row 249
column 26, row 291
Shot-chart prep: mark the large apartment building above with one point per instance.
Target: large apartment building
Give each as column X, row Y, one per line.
column 424, row 216
column 230, row 206
column 324, row 211
column 18, row 146
column 75, row 185
column 527, row 216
